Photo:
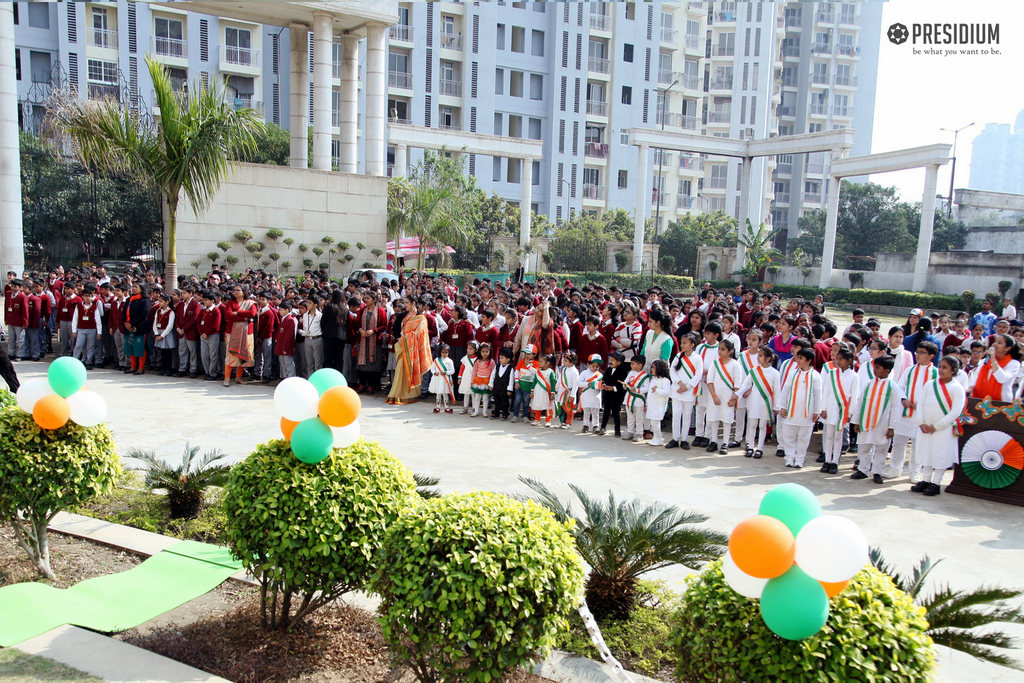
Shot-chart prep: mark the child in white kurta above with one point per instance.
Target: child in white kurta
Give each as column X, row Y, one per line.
column 912, row 382
column 707, row 351
column 839, row 387
column 798, row 403
column 942, row 405
column 875, row 412
column 637, row 385
column 723, row 382
column 466, row 376
column 441, row 372
column 657, row 399
column 759, row 389
column 685, row 373
column 748, row 361
column 566, row 389
column 542, row 401
column 591, row 386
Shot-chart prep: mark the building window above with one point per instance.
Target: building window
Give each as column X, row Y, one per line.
column 238, row 46
column 623, row 179
column 102, row 72
column 518, row 39
column 17, row 61
column 515, row 126
column 515, row 83
column 496, row 170
column 39, row 14
column 631, row 10
column 513, row 171
column 535, row 129
column 169, row 37
column 536, row 176
column 627, row 52
column 499, row 81
column 536, row 87
column 537, row 46
column 499, row 37
column 627, row 95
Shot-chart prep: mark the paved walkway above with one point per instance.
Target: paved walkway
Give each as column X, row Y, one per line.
column 981, row 541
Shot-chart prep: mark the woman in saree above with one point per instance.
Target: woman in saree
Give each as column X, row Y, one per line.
column 412, row 354
column 240, row 312
column 370, row 354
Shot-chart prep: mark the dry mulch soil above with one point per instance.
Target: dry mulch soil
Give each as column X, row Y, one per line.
column 72, row 559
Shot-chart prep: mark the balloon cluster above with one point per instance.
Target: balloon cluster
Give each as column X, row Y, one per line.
column 318, row 414
column 53, row 401
column 793, row 559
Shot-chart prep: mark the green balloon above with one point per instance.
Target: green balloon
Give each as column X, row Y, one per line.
column 794, row 606
column 312, row 440
column 792, row 504
column 325, row 378
column 66, row 375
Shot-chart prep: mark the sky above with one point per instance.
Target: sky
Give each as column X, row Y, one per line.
column 919, row 94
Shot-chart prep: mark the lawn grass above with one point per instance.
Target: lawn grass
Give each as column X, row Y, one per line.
column 19, row 667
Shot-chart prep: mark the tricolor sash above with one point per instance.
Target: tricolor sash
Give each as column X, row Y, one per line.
column 702, row 350
column 763, row 387
column 595, row 383
column 565, row 400
column 633, row 388
column 875, row 403
column 438, row 368
column 747, row 361
column 723, row 372
column 690, row 370
column 546, row 380
column 925, row 374
column 808, row 390
column 842, row 399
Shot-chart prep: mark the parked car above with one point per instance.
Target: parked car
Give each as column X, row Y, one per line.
column 380, row 274
column 118, row 267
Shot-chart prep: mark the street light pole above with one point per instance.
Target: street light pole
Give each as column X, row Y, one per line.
column 952, row 171
column 568, row 195
column 661, row 179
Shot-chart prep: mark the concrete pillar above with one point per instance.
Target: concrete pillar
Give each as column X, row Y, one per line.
column 349, row 103
column 526, row 200
column 924, row 237
column 831, row 219
column 401, row 160
column 640, row 215
column 323, row 36
column 299, row 85
column 12, row 245
column 376, row 99
column 745, row 174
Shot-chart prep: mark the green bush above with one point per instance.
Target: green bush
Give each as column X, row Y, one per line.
column 473, row 585
column 7, row 399
column 313, row 530
column 874, row 633
column 45, row 471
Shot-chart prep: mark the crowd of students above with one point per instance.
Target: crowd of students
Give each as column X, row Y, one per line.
column 723, row 370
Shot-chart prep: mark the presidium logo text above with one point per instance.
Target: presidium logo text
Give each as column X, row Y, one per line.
column 967, row 36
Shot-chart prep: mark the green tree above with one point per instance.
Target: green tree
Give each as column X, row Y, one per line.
column 759, row 250
column 684, row 235
column 188, row 152
column 580, row 244
column 271, row 146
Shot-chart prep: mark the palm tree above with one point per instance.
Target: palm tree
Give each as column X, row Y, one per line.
column 759, row 252
column 623, row 539
column 955, row 616
column 187, row 151
column 186, row 482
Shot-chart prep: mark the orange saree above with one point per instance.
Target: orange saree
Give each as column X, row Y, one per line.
column 412, row 359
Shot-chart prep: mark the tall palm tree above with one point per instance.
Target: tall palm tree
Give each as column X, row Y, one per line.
column 188, row 150
column 954, row 616
column 623, row 539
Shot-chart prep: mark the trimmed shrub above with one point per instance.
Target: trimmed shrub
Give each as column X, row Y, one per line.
column 7, row 399
column 473, row 585
column 874, row 633
column 45, row 471
column 313, row 530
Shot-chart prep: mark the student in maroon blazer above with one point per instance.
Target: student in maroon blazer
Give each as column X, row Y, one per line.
column 32, row 336
column 186, row 314
column 208, row 330
column 16, row 316
column 284, row 339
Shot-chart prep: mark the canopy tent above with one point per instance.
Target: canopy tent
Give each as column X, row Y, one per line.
column 410, row 246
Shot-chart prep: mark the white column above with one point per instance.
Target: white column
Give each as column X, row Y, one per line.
column 745, row 173
column 924, row 237
column 525, row 201
column 323, row 36
column 831, row 219
column 376, row 99
column 640, row 215
column 12, row 246
column 349, row 103
column 299, row 86
column 401, row 154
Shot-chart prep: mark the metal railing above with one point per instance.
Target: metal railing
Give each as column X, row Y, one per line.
column 819, row 79
column 847, row 51
column 169, row 47
column 812, row 198
column 817, row 110
column 669, row 118
column 694, row 43
column 690, row 81
column 691, row 162
column 593, row 191
column 399, row 79
column 450, row 87
column 336, row 118
column 699, row 6
column 815, row 167
column 402, row 32
column 450, row 126
column 451, row 41
column 101, row 37
column 782, row 197
column 717, row 183
column 690, row 122
column 663, row 157
column 669, row 35
column 599, row 65
column 838, row 110
column 720, row 116
column 724, row 51
column 242, row 56
column 597, row 108
column 597, row 150
column 240, row 103
column 721, row 83
column 664, row 200
column 600, row 22
column 725, row 17
column 793, row 21
column 826, row 18
column 846, row 82
column 821, row 49
column 667, row 76
column 848, row 18
column 784, row 169
column 790, row 50
column 786, row 111
column 684, row 201
column 104, row 91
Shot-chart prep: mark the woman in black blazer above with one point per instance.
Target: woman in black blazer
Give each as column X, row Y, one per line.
column 137, row 325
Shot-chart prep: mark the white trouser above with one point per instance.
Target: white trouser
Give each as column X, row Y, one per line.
column 758, row 426
column 899, row 455
column 741, row 415
column 682, row 414
column 832, row 443
column 700, row 422
column 656, row 439
column 797, row 439
column 932, row 475
column 591, row 418
column 780, row 433
column 712, row 432
column 480, row 403
column 635, row 419
column 441, row 400
column 872, row 456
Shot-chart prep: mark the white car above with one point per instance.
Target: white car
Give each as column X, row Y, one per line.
column 379, row 274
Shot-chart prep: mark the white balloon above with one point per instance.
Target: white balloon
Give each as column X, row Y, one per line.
column 347, row 435
column 746, row 585
column 296, row 399
column 831, row 548
column 30, row 392
column 87, row 408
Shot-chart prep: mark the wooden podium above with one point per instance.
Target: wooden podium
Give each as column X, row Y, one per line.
column 982, row 415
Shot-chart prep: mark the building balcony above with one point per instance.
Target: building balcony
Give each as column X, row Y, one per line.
column 665, row 200
column 695, row 6
column 812, row 198
column 104, row 91
column 670, row 36
column 402, row 32
column 815, row 167
column 600, row 22
column 724, row 51
column 784, row 169
column 666, row 77
column 851, row 51
column 668, row 118
column 818, row 110
column 690, row 122
column 684, row 201
column 400, row 79
column 596, row 150
column 846, row 82
column 791, row 51
column 240, row 103
column 449, row 87
column 239, row 56
column 821, row 49
column 450, row 126
column 790, row 82
column 451, row 41
column 719, row 116
column 663, row 157
column 786, row 111
column 597, row 108
column 842, row 111
column 169, row 47
column 690, row 81
column 717, row 183
column 793, row 22
column 599, row 65
column 721, row 83
column 690, row 162
column 848, row 18
column 99, row 37
column 594, row 192
column 826, row 18
column 725, row 17
column 819, row 79
column 336, row 118
column 694, row 43
column 782, row 198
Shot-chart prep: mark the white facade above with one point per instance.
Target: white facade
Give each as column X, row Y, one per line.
column 997, row 158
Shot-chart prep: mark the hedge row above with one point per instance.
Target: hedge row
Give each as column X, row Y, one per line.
column 869, row 297
column 632, row 281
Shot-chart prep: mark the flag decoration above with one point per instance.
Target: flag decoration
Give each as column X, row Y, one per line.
column 992, row 459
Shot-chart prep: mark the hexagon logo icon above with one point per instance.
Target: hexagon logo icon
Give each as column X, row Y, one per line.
column 898, row 34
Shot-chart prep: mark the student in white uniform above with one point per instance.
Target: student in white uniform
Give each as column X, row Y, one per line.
column 875, row 412
column 760, row 389
column 708, row 352
column 685, row 372
column 591, row 387
column 839, row 387
column 723, row 383
column 637, row 385
column 748, row 361
column 941, row 406
column 787, row 369
column 660, row 388
column 912, row 382
column 798, row 403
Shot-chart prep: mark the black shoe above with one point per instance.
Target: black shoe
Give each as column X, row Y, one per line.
column 854, row 448
column 878, row 479
column 780, row 452
column 824, row 468
column 712, row 447
column 833, row 468
column 919, row 486
column 821, row 451
column 932, row 490
column 821, row 458
column 724, row 450
column 858, row 475
column 856, row 463
column 699, row 442
column 757, row 455
column 672, row 444
column 685, row 445
column 735, row 444
column 88, row 367
column 210, row 378
column 843, row 451
column 585, row 429
column 193, row 375
column 127, row 370
column 749, row 453
column 618, row 434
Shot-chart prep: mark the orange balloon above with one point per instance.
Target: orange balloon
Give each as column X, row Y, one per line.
column 762, row 546
column 287, row 427
column 339, row 406
column 51, row 412
column 834, row 589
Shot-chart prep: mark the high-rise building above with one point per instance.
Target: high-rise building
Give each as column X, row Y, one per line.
column 997, row 158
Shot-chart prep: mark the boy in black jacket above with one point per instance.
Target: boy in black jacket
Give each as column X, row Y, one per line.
column 503, row 389
column 615, row 390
